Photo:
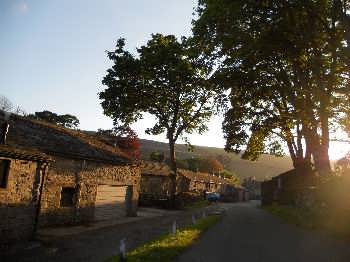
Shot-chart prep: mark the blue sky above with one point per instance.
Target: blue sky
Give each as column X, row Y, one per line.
column 52, row 53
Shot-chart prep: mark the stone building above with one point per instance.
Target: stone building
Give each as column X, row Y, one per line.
column 288, row 187
column 155, row 182
column 20, row 184
column 82, row 179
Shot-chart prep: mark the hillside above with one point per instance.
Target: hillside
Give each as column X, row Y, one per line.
column 267, row 166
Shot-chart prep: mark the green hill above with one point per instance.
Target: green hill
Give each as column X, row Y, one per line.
column 266, row 167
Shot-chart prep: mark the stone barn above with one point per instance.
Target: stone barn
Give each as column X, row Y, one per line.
column 155, row 182
column 21, row 173
column 287, row 187
column 85, row 179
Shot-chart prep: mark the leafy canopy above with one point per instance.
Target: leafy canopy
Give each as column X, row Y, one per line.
column 286, row 64
column 65, row 120
column 167, row 79
column 123, row 137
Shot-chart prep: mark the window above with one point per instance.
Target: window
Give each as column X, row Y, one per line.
column 67, row 196
column 4, row 172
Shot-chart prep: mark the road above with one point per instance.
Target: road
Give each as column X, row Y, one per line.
column 97, row 243
column 248, row 233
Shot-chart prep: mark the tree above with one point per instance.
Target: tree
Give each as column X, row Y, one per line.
column 123, row 137
column 128, row 141
column 167, row 80
column 342, row 165
column 5, row 104
column 231, row 176
column 286, row 64
column 20, row 111
column 66, row 120
column 46, row 116
column 157, row 156
column 210, row 165
column 193, row 164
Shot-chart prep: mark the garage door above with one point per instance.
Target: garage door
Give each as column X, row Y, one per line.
column 110, row 202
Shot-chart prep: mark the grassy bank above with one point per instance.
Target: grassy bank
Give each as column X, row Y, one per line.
column 197, row 204
column 335, row 223
column 169, row 246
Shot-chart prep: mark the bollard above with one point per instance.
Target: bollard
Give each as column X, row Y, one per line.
column 193, row 219
column 204, row 215
column 174, row 228
column 122, row 250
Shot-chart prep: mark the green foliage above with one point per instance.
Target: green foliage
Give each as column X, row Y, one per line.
column 197, row 204
column 157, row 156
column 66, row 120
column 193, row 164
column 181, row 163
column 335, row 224
column 286, row 65
column 231, row 176
column 206, row 165
column 167, row 79
column 168, row 247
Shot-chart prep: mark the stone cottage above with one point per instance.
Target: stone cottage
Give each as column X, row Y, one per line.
column 155, row 182
column 85, row 180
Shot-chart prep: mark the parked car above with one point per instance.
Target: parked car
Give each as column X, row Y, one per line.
column 213, row 196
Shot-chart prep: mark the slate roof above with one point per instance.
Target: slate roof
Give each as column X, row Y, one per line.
column 50, row 139
column 154, row 168
column 205, row 177
column 161, row 169
column 11, row 152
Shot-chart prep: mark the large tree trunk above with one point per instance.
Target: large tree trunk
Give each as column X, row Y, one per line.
column 173, row 170
column 322, row 162
column 300, row 162
column 319, row 152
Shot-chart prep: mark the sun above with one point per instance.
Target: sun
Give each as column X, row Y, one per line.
column 338, row 150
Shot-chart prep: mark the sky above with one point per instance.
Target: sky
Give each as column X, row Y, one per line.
column 52, row 54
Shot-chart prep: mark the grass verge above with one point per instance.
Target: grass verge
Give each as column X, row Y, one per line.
column 197, row 204
column 168, row 247
column 332, row 223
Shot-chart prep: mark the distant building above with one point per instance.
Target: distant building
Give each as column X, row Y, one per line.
column 253, row 186
column 155, row 183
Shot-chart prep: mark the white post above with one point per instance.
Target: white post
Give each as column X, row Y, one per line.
column 204, row 215
column 174, row 228
column 193, row 219
column 122, row 250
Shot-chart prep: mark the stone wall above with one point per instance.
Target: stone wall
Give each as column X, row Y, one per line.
column 18, row 201
column 84, row 177
column 198, row 186
column 287, row 188
column 157, row 186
